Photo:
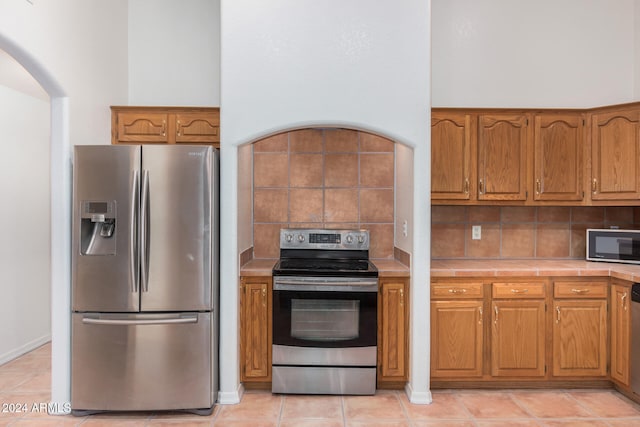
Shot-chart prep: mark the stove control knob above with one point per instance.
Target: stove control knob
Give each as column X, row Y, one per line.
column 301, row 237
column 349, row 238
column 289, row 237
column 361, row 239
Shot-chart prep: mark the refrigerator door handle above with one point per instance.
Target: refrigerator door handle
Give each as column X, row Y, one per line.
column 144, row 231
column 132, row 322
column 133, row 218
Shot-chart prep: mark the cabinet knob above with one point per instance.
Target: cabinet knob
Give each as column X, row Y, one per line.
column 538, row 186
column 495, row 320
column 480, row 315
column 557, row 314
column 481, row 187
column 594, row 185
column 623, row 299
column 466, row 186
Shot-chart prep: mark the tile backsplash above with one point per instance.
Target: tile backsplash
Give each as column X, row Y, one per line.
column 323, row 178
column 513, row 232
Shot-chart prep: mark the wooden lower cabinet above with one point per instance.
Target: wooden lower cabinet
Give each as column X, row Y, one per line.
column 580, row 328
column 255, row 329
column 393, row 326
column 620, row 331
column 457, row 329
column 456, row 339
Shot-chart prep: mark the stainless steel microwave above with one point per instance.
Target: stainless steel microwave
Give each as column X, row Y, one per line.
column 612, row 245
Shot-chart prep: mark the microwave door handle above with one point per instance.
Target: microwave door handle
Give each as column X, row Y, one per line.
column 144, row 231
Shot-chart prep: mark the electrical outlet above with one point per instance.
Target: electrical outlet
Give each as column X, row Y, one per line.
column 476, row 232
column 405, row 228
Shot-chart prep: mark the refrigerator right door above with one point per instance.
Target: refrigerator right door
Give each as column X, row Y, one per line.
column 177, row 223
column 104, row 243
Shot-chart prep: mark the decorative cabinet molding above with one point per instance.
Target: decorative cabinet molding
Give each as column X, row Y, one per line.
column 165, row 125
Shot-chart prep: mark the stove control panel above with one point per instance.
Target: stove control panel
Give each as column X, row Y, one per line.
column 303, row 238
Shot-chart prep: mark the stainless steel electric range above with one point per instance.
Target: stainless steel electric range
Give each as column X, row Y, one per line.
column 324, row 313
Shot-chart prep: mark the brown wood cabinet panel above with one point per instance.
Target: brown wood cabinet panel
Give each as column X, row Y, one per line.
column 453, row 137
column 141, row 127
column 620, row 332
column 457, row 338
column 518, row 338
column 167, row 125
column 255, row 329
column 558, row 148
column 518, row 290
column 393, row 329
column 198, row 127
column 615, row 155
column 580, row 338
column 457, row 290
column 502, row 156
column 580, row 289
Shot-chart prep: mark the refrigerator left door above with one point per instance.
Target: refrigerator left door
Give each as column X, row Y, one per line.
column 105, row 256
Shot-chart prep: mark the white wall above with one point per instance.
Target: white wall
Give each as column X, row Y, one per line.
column 174, row 52
column 636, row 87
column 77, row 50
column 545, row 53
column 24, row 212
column 298, row 63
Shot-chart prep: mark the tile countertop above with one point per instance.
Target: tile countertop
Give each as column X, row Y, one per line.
column 468, row 268
column 386, row 268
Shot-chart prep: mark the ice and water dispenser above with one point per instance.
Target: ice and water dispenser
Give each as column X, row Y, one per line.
column 98, row 228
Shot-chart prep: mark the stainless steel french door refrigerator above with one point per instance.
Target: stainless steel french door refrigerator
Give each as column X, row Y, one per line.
column 144, row 278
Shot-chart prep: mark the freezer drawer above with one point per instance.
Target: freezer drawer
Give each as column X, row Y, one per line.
column 142, row 362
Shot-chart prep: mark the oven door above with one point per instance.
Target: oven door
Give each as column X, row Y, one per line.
column 325, row 312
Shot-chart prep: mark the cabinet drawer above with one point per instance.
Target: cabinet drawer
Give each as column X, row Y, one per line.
column 580, row 289
column 456, row 290
column 518, row 290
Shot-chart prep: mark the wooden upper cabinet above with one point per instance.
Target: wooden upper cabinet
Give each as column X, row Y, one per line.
column 453, row 138
column 558, row 152
column 615, row 155
column 138, row 127
column 165, row 125
column 198, row 127
column 502, row 156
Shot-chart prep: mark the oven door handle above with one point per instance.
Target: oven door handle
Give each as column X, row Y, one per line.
column 325, row 284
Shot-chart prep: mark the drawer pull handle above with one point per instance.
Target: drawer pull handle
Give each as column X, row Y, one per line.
column 458, row 291
column 519, row 291
column 580, row 291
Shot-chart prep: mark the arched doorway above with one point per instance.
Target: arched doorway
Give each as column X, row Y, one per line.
column 60, row 206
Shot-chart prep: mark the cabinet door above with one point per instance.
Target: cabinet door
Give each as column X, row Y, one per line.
column 580, row 338
column 502, row 156
column 198, row 127
column 452, row 139
column 456, row 338
column 393, row 313
column 517, row 338
column 620, row 330
column 615, row 156
column 558, row 146
column 141, row 127
column 255, row 329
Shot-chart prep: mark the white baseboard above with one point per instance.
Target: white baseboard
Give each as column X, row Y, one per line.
column 418, row 398
column 231, row 397
column 25, row 348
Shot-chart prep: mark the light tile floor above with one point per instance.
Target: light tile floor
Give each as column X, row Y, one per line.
column 26, row 380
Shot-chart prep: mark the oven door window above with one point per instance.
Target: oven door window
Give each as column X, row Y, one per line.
column 325, row 319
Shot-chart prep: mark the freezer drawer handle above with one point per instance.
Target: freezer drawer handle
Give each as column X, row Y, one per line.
column 125, row 322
